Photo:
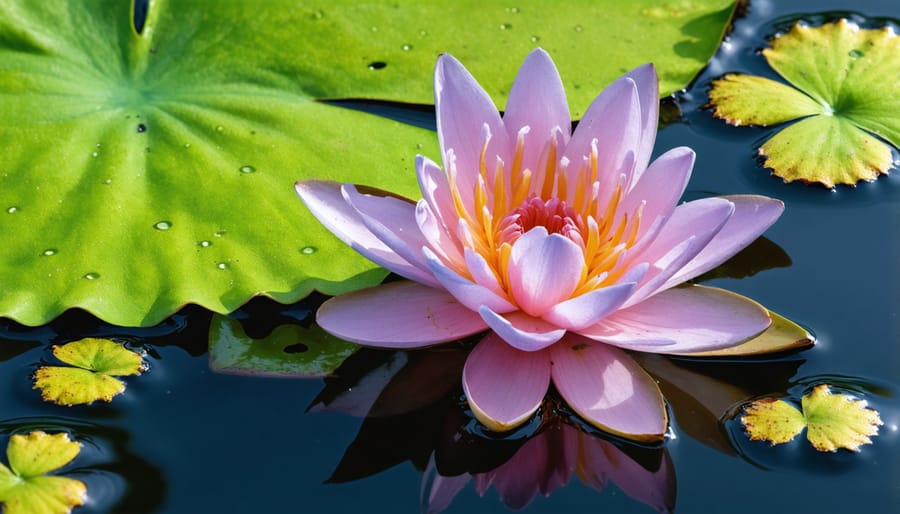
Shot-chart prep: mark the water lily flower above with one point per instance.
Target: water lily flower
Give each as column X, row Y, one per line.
column 566, row 245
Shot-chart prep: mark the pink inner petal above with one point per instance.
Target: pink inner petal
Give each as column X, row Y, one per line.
column 504, row 386
column 468, row 293
column 589, row 308
column 544, row 269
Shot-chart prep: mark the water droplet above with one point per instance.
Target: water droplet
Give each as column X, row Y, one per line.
column 374, row 28
column 222, row 265
column 423, row 33
column 578, row 28
column 377, row 65
column 187, row 145
column 204, row 243
column 856, row 53
column 141, row 128
column 219, row 128
column 107, row 181
column 308, row 250
column 318, row 15
column 49, row 251
column 94, row 154
column 505, row 26
column 98, row 145
column 162, row 225
column 247, row 169
column 514, row 10
column 91, row 276
column 419, row 146
column 220, row 233
column 12, row 209
column 406, row 47
column 535, row 39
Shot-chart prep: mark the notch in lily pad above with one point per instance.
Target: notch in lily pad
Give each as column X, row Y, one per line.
column 844, row 98
column 832, row 421
column 26, row 487
column 91, row 375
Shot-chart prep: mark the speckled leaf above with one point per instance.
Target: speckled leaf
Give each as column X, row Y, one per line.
column 781, row 336
column 832, row 421
column 96, row 364
column 25, row 490
column 838, row 420
column 849, row 82
column 773, row 420
column 289, row 351
column 141, row 172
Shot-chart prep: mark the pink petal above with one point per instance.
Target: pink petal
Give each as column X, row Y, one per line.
column 537, row 100
column 683, row 319
column 398, row 315
column 436, row 191
column 504, row 386
column 608, row 389
column 660, row 186
column 521, row 330
column 326, row 202
column 647, row 85
column 752, row 216
column 393, row 221
column 589, row 308
column 481, row 271
column 544, row 269
column 437, row 490
column 614, row 120
column 470, row 294
column 463, row 109
column 436, row 236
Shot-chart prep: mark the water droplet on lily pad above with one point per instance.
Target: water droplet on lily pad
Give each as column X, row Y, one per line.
column 162, row 225
column 535, row 39
column 308, row 250
column 91, row 276
column 505, row 26
column 49, row 251
column 406, row 47
column 187, row 145
column 222, row 265
column 318, row 14
column 94, row 154
column 856, row 53
column 220, row 233
column 141, row 128
column 204, row 243
column 579, row 28
column 219, row 128
column 377, row 65
column 423, row 33
column 12, row 209
column 247, row 169
column 374, row 28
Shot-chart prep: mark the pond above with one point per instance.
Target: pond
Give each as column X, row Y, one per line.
column 186, row 439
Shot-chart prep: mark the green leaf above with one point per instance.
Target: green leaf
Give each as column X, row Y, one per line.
column 97, row 362
column 141, row 172
column 833, row 421
column 838, row 420
column 848, row 82
column 289, row 351
column 25, row 490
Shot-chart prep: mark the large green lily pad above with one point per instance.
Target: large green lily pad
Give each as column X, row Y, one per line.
column 24, row 486
column 847, row 98
column 141, row 172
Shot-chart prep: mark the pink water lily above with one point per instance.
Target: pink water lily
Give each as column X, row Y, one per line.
column 566, row 246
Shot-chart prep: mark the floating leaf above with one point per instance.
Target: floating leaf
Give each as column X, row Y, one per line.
column 832, row 420
column 289, row 351
column 97, row 362
column 151, row 170
column 848, row 91
column 24, row 488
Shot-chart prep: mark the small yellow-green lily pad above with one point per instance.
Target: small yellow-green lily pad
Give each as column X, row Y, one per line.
column 95, row 364
column 24, row 486
column 845, row 92
column 832, row 421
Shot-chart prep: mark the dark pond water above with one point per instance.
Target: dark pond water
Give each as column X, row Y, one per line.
column 184, row 439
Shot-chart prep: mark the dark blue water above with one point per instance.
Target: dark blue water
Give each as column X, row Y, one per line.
column 183, row 439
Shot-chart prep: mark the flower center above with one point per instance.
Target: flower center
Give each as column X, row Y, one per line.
column 553, row 214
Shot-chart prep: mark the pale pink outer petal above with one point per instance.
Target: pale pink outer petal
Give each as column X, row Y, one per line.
column 398, row 315
column 690, row 319
column 752, row 216
column 504, row 386
column 522, row 331
column 544, row 269
column 608, row 389
column 393, row 221
column 614, row 121
column 589, row 308
column 647, row 84
column 660, row 186
column 537, row 100
column 326, row 202
column 463, row 109
column 468, row 293
column 436, row 191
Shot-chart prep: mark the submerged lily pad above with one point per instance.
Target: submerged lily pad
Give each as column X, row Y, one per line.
column 143, row 171
column 847, row 98
column 96, row 364
column 832, row 421
column 24, row 486
column 289, row 351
